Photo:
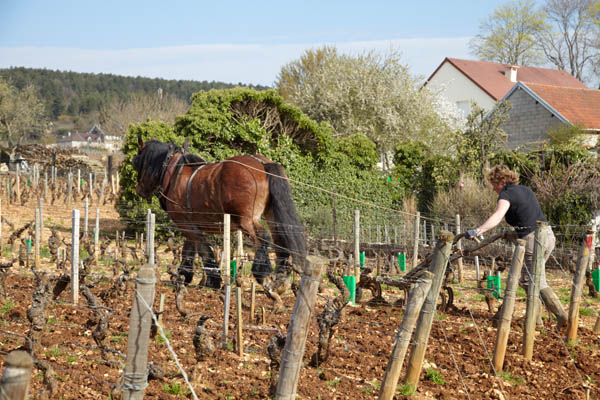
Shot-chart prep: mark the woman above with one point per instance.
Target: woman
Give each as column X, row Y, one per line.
column 521, row 209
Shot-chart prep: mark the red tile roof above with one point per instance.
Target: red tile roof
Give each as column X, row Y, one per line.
column 578, row 106
column 490, row 76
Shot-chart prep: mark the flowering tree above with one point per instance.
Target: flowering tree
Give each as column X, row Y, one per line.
column 371, row 93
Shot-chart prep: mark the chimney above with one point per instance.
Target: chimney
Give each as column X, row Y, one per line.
column 511, row 73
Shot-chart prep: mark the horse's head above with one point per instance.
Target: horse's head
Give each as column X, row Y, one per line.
column 149, row 163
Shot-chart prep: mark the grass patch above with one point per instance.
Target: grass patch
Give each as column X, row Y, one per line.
column 83, row 254
column 44, row 252
column 160, row 339
column 521, row 292
column 477, row 297
column 333, row 382
column 72, row 359
column 173, row 388
column 514, row 379
column 55, row 351
column 367, row 389
column 434, row 376
column 564, row 295
column 587, row 312
column 118, row 338
column 406, row 390
column 7, row 307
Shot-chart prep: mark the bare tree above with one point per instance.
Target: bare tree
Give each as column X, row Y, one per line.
column 22, row 113
column 508, row 34
column 119, row 114
column 568, row 39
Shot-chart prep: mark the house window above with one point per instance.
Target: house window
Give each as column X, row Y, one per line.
column 464, row 106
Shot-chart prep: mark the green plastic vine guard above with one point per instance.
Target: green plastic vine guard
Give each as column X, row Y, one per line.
column 596, row 278
column 402, row 261
column 494, row 282
column 350, row 281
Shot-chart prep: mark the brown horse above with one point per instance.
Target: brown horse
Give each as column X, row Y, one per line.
column 195, row 194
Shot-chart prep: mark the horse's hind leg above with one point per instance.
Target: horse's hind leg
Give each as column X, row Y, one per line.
column 210, row 265
column 261, row 266
column 186, row 268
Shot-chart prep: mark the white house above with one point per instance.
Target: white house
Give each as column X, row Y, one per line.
column 95, row 138
column 485, row 83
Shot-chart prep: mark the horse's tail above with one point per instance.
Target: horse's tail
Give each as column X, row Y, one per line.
column 289, row 228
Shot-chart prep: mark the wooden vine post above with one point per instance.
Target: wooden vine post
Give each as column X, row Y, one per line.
column 533, row 290
column 416, row 240
column 75, row 258
column 240, row 253
column 459, row 248
column 102, row 189
column 69, row 188
column 90, row 186
column 45, row 185
column 582, row 264
column 135, row 375
column 225, row 260
column 291, row 356
column 508, row 305
column 421, row 337
column 18, row 185
column 357, row 245
column 36, row 248
column 240, row 322
column 41, row 207
column 252, row 300
column 415, row 302
column 0, row 226
column 86, row 209
column 147, row 248
column 97, row 235
column 16, row 375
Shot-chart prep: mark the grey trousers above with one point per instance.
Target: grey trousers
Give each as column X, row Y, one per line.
column 528, row 261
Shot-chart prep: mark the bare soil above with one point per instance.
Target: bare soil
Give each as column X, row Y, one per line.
column 457, row 366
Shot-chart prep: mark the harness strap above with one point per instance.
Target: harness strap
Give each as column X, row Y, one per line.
column 263, row 162
column 189, row 185
column 169, row 171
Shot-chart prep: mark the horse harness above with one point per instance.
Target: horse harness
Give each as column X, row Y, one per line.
column 172, row 162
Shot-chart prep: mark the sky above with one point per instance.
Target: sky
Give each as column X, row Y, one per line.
column 229, row 41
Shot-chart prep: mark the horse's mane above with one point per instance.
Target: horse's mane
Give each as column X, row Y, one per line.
column 190, row 158
column 152, row 158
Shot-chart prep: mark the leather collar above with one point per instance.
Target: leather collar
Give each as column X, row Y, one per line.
column 169, row 170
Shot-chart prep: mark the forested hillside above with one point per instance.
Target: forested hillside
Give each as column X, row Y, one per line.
column 74, row 94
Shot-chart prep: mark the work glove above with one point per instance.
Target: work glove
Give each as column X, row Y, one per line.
column 471, row 233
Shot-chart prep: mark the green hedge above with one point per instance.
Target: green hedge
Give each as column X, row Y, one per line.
column 224, row 123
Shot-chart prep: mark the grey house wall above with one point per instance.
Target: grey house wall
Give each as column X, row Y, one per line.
column 529, row 121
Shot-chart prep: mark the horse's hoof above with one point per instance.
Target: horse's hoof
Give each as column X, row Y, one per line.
column 213, row 282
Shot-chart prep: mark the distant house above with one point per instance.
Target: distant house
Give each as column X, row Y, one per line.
column 537, row 108
column 93, row 139
column 486, row 83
